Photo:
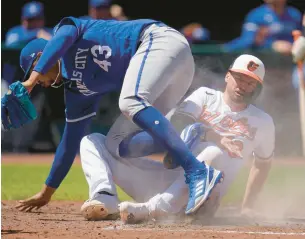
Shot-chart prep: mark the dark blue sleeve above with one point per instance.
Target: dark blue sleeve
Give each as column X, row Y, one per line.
column 66, row 151
column 64, row 37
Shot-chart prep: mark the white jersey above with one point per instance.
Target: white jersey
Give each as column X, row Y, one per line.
column 252, row 128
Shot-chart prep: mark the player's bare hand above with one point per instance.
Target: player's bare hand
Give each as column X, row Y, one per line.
column 234, row 147
column 32, row 81
column 37, row 201
column 34, row 202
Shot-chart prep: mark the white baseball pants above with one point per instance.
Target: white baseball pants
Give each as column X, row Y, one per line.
column 159, row 75
column 146, row 180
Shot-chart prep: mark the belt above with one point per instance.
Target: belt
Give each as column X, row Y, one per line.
column 159, row 24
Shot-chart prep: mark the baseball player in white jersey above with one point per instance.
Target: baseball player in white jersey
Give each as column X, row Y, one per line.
column 222, row 129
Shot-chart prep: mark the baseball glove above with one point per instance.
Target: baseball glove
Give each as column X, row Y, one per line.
column 16, row 107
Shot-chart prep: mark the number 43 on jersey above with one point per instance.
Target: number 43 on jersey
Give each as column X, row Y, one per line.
column 98, row 51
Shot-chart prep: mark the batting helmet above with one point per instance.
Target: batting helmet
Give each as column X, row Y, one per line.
column 251, row 66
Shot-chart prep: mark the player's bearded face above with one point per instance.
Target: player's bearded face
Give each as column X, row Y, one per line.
column 240, row 87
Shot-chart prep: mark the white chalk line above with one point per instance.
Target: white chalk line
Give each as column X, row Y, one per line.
column 206, row 230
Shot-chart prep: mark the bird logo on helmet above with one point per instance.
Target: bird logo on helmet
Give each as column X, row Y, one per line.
column 252, row 66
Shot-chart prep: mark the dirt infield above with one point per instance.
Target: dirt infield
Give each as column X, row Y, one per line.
column 62, row 219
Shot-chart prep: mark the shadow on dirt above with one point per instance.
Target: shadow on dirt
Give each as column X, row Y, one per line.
column 58, row 220
column 10, row 231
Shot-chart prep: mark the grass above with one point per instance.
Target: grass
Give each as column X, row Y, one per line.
column 22, row 181
column 282, row 178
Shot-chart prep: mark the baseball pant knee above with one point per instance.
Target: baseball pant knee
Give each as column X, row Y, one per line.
column 130, row 105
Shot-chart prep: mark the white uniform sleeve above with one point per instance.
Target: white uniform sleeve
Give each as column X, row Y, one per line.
column 265, row 140
column 194, row 104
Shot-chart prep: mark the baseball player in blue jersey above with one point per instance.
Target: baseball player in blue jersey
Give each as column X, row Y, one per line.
column 32, row 26
column 268, row 27
column 151, row 65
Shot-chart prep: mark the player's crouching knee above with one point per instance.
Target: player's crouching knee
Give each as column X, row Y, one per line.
column 129, row 106
column 90, row 141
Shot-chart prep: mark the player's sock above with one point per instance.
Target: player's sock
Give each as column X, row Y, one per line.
column 151, row 120
column 139, row 144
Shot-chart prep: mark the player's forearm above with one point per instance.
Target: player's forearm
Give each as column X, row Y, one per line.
column 47, row 191
column 66, row 152
column 257, row 178
column 56, row 48
column 63, row 161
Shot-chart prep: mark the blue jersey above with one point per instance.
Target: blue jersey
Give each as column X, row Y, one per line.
column 94, row 56
column 279, row 27
column 20, row 35
column 87, row 17
column 97, row 61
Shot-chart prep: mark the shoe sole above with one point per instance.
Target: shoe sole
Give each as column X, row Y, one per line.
column 97, row 212
column 127, row 217
column 218, row 178
column 207, row 211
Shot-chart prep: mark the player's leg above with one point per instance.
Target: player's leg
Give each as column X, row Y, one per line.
column 139, row 178
column 139, row 143
column 174, row 199
column 103, row 201
column 220, row 159
column 162, row 68
column 223, row 162
column 164, row 60
column 125, row 139
column 168, row 203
